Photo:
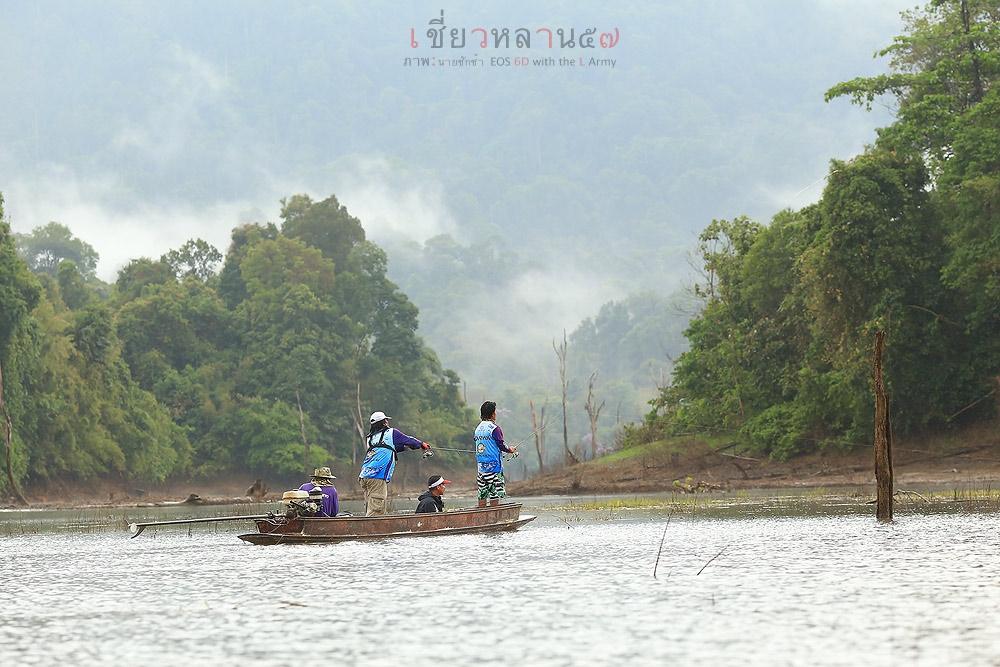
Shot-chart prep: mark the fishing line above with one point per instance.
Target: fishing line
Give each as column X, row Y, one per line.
column 428, row 454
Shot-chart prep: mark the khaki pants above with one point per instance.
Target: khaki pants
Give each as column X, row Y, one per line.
column 376, row 491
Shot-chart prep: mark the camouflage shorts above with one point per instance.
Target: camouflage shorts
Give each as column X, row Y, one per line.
column 490, row 485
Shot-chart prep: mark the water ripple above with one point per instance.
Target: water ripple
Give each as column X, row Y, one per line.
column 831, row 589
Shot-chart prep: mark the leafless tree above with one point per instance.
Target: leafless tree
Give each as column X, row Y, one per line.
column 883, row 435
column 560, row 350
column 538, row 424
column 302, row 431
column 358, row 417
column 593, row 413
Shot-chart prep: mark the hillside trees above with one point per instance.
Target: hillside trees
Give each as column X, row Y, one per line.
column 905, row 238
column 186, row 370
column 75, row 410
column 299, row 315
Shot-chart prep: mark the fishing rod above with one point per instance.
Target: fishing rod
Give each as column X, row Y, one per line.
column 428, row 454
column 537, row 431
column 137, row 528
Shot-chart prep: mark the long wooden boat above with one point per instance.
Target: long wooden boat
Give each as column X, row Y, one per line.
column 304, row 530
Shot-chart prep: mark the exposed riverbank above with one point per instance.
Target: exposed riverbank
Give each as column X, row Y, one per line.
column 970, row 457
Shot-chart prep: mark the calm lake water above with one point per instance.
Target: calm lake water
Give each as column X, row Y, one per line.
column 799, row 581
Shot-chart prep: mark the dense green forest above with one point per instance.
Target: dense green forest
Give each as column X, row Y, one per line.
column 196, row 364
column 202, row 363
column 906, row 238
column 199, row 364
column 542, row 194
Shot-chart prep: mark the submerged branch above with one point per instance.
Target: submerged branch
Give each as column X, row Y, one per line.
column 660, row 550
column 711, row 559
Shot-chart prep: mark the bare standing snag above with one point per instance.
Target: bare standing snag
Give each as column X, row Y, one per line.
column 883, row 436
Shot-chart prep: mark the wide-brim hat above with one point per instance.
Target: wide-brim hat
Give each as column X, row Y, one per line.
column 323, row 473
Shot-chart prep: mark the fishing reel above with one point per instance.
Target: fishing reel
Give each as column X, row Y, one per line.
column 428, row 454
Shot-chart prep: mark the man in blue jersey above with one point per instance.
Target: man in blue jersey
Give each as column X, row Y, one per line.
column 489, row 464
column 384, row 444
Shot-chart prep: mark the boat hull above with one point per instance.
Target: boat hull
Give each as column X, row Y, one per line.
column 313, row 530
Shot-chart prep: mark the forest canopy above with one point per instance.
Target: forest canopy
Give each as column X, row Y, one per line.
column 905, row 238
column 264, row 360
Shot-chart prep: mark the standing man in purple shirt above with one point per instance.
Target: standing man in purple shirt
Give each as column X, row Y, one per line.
column 384, row 444
column 322, row 478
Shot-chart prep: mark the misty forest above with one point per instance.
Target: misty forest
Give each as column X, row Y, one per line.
column 262, row 356
column 380, row 333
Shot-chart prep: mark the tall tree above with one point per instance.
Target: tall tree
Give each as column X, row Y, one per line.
column 538, row 424
column 72, row 286
column 46, row 246
column 139, row 273
column 941, row 68
column 325, row 225
column 195, row 258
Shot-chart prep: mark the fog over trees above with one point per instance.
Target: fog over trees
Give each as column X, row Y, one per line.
column 236, row 160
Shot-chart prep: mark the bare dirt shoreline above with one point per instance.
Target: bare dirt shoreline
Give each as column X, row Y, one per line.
column 969, row 458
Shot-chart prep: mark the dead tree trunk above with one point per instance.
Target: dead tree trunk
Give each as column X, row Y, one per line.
column 883, row 436
column 360, row 425
column 568, row 457
column 302, row 430
column 358, row 418
column 538, row 428
column 8, row 431
column 593, row 414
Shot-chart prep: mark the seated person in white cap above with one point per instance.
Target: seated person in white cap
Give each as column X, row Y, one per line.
column 431, row 500
column 384, row 444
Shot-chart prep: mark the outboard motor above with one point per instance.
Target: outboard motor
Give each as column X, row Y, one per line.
column 316, row 499
column 302, row 503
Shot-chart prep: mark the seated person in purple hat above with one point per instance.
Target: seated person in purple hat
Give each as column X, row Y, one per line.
column 322, row 478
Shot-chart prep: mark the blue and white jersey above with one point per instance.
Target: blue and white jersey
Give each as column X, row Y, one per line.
column 489, row 445
column 380, row 461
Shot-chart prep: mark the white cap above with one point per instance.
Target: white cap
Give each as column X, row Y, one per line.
column 378, row 416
